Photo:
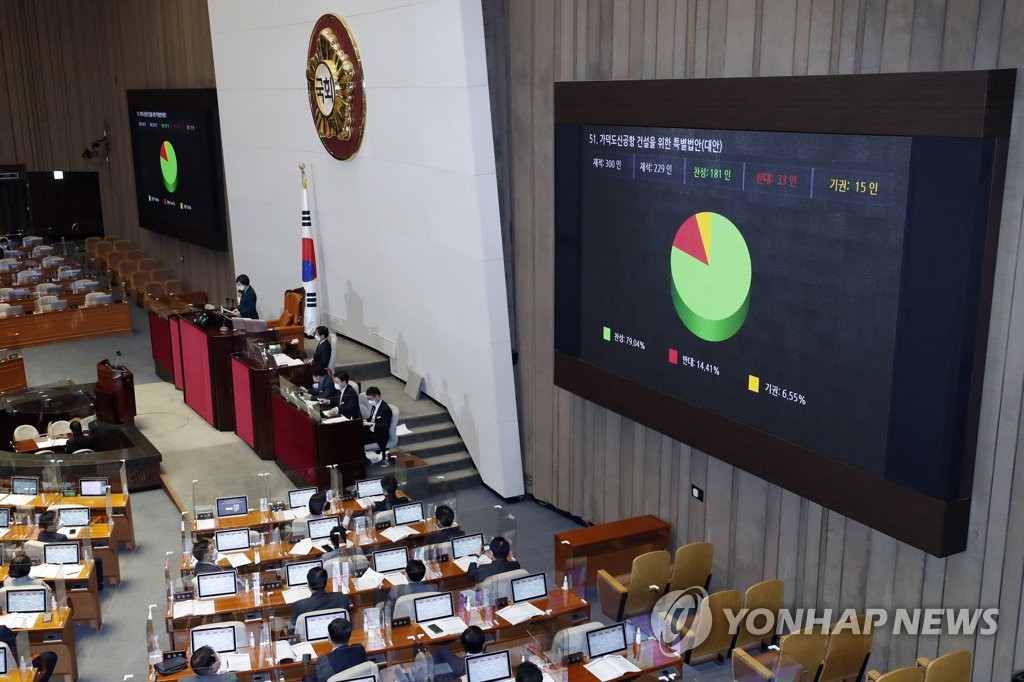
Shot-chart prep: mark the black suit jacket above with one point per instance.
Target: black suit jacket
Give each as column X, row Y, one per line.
column 445, row 534
column 348, row 403
column 247, row 304
column 342, row 658
column 381, row 424
column 479, row 573
column 320, row 600
column 325, row 389
column 74, row 444
column 51, row 536
column 322, row 355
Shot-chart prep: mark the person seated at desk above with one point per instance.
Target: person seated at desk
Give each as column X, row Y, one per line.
column 45, row 663
column 78, row 440
column 390, row 485
column 346, row 403
column 445, row 517
column 204, row 563
column 320, row 598
column 323, row 388
column 376, row 428
column 246, row 298
column 48, row 533
column 318, row 508
column 500, row 550
column 529, row 672
column 18, row 576
column 473, row 640
column 344, row 655
column 339, row 539
column 205, row 663
column 415, row 571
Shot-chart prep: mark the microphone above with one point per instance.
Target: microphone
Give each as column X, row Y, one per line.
column 118, row 363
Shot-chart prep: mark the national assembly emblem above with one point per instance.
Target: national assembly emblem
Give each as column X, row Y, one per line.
column 334, row 80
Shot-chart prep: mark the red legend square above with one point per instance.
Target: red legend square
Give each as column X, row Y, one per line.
column 673, row 356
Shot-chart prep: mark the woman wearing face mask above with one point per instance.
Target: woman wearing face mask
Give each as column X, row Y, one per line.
column 246, row 298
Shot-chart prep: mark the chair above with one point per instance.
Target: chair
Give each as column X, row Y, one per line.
column 798, row 659
column 364, row 406
column 68, row 271
column 358, row 562
column 767, row 595
column 114, row 260
column 289, row 325
column 626, row 596
column 59, row 428
column 97, row 298
column 371, row 448
column 111, row 239
column 138, row 282
column 80, row 285
column 42, row 250
column 136, row 254
column 34, row 549
column 49, row 289
column 404, row 607
column 103, row 251
column 29, row 276
column 6, row 292
column 500, row 585
column 712, row 610
column 45, row 452
column 146, row 264
column 909, row 674
column 365, row 669
column 45, row 301
column 154, row 289
column 570, row 640
column 849, row 647
column 90, row 245
column 239, row 627
column 952, row 667
column 123, row 246
column 173, row 287
column 300, row 624
column 159, row 275
column 692, row 566
column 25, row 432
column 52, row 261
column 126, row 269
column 86, row 421
column 83, row 451
column 387, row 515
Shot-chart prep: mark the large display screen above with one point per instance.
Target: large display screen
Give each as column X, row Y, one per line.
column 178, row 168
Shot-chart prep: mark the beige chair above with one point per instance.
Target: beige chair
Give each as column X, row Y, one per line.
column 123, row 246
column 111, row 239
column 357, row 562
column 114, row 260
column 719, row 639
column 80, row 285
column 25, row 432
column 97, row 298
column 90, row 245
column 29, row 276
column 365, row 669
column 136, row 254
column 300, row 624
column 44, row 302
column 570, row 640
column 49, row 289
column 33, row 550
column 86, row 421
column 630, row 595
column 60, row 427
column 849, row 646
column 126, row 269
column 909, row 674
column 952, row 667
column 798, row 659
column 146, row 264
column 5, row 292
column 83, row 451
column 103, row 251
column 404, row 606
column 500, row 585
column 68, row 272
column 137, row 284
column 51, row 261
column 173, row 287
column 387, row 515
column 767, row 595
column 692, row 566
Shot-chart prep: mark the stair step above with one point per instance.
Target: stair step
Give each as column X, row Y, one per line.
column 456, row 480
column 425, row 432
column 437, row 446
column 364, row 372
column 452, row 461
column 421, row 420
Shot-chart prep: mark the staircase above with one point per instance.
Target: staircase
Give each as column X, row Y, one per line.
column 434, row 437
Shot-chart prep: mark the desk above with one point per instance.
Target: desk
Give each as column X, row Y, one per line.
column 12, row 374
column 83, row 590
column 57, row 636
column 73, row 298
column 120, row 505
column 100, row 535
column 63, row 325
column 253, row 387
column 163, row 339
column 305, row 447
column 610, row 546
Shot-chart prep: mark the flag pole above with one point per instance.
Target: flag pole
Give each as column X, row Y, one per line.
column 311, row 317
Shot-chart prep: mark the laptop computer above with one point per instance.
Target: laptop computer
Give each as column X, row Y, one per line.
column 529, row 587
column 236, row 540
column 220, row 584
column 316, row 626
column 609, row 640
column 370, row 487
column 232, row 506
column 222, row 639
column 296, row 573
column 467, row 545
column 489, row 667
column 408, row 513
column 27, row 601
column 299, row 499
column 320, row 529
column 435, row 615
column 72, row 519
column 61, row 553
column 24, row 485
column 5, row 519
column 390, row 560
column 93, row 487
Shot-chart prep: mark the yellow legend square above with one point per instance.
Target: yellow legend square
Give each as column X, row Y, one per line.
column 753, row 383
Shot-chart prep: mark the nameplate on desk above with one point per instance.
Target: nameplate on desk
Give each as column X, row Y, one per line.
column 573, row 658
column 271, row 584
column 348, row 497
column 174, row 655
column 501, row 601
column 204, row 516
column 250, row 616
column 51, row 637
column 443, row 558
column 261, row 677
column 383, row 525
column 400, row 622
column 70, row 493
column 183, row 596
column 360, row 572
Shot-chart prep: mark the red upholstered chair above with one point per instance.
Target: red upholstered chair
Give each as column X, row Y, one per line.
column 289, row 326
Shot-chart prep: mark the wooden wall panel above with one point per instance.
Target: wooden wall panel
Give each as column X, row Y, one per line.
column 64, row 70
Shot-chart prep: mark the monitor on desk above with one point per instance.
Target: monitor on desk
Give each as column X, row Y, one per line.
column 5, row 666
column 489, row 667
column 529, row 588
column 61, row 553
column 26, row 600
column 609, row 640
column 296, row 572
column 408, row 513
column 370, row 487
column 232, row 506
column 433, row 607
column 5, row 517
column 299, row 499
column 232, row 540
column 388, row 560
column 466, row 545
column 220, row 584
column 316, row 626
column 221, row 640
column 318, row 529
column 71, row 517
column 25, row 485
column 93, row 487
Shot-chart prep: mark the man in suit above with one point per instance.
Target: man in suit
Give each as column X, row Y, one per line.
column 48, row 533
column 246, row 298
column 415, row 571
column 348, row 399
column 529, row 672
column 500, row 562
column 18, row 576
column 375, row 429
column 320, row 598
column 451, row 666
column 322, row 354
column 323, row 387
column 205, row 664
column 445, row 517
column 343, row 656
column 201, row 550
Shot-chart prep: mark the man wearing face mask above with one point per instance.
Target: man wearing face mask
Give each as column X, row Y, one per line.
column 346, row 402
column 375, row 429
column 246, row 298
column 322, row 354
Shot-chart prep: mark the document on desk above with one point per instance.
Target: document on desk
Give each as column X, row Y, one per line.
column 235, row 662
column 237, row 559
column 465, row 561
column 282, row 360
column 370, row 580
column 285, row 515
column 50, row 570
column 610, row 667
column 294, row 594
column 520, row 613
column 336, row 420
column 397, row 578
column 301, row 649
column 396, row 533
column 367, row 502
column 302, row 547
column 18, row 500
column 206, row 524
column 19, row 621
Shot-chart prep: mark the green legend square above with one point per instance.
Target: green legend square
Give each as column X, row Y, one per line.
column 607, row 334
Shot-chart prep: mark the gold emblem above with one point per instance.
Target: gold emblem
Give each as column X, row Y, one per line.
column 335, row 85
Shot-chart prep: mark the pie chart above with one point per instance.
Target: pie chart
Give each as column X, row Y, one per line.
column 710, row 276
column 169, row 166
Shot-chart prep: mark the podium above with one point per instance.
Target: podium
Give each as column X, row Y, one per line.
column 115, row 394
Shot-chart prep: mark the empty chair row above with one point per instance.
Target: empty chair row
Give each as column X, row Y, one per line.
column 653, row 574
